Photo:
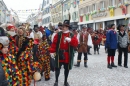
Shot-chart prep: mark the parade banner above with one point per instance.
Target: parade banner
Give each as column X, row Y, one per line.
column 81, row 18
column 87, row 17
column 111, row 12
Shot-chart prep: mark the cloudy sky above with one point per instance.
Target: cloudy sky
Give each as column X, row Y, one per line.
column 23, row 5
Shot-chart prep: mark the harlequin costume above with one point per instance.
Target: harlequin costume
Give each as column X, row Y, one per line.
column 12, row 73
column 44, row 57
column 63, row 44
column 13, row 49
column 25, row 61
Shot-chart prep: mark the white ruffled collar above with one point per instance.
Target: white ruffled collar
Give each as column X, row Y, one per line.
column 66, row 31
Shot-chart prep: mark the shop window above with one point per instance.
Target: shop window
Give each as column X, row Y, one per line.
column 112, row 2
column 108, row 23
column 122, row 21
column 102, row 4
column 87, row 9
column 94, row 7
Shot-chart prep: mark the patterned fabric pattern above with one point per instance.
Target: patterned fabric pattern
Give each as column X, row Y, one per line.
column 44, row 57
column 12, row 73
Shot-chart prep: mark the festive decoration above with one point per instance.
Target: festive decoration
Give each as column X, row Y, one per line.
column 111, row 7
column 93, row 12
column 81, row 18
column 87, row 17
column 111, row 11
column 124, row 9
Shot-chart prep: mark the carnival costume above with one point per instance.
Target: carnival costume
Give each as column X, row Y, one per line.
column 63, row 44
column 44, row 57
column 12, row 73
column 25, row 61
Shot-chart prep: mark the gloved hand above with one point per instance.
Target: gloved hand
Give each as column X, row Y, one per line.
column 68, row 39
column 52, row 55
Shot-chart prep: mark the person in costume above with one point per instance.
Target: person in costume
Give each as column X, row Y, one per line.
column 25, row 61
column 20, row 38
column 37, row 39
column 96, row 41
column 55, row 32
column 44, row 57
column 60, row 26
column 84, row 41
column 89, row 30
column 111, row 44
column 123, row 42
column 11, row 30
column 63, row 46
column 12, row 73
column 3, row 81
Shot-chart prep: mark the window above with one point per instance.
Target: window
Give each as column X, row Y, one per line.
column 87, row 9
column 112, row 2
column 81, row 11
column 94, row 7
column 47, row 1
column 102, row 5
column 123, row 1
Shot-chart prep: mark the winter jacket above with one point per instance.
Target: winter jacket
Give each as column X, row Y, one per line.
column 123, row 39
column 3, row 81
column 111, row 39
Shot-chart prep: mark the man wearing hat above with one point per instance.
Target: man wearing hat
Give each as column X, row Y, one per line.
column 63, row 45
column 84, row 41
column 60, row 25
column 37, row 38
column 123, row 41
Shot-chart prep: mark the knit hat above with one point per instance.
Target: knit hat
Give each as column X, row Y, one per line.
column 4, row 41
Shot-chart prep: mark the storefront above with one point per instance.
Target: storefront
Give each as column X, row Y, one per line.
column 104, row 17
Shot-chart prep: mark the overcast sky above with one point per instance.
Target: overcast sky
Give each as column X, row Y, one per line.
column 23, row 5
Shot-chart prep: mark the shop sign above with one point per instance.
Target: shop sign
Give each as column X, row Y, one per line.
column 99, row 15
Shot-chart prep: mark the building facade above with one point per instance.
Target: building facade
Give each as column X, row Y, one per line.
column 99, row 14
column 56, row 12
column 3, row 12
column 46, row 13
column 70, row 7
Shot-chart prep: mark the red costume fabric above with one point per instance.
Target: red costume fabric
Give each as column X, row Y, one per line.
column 64, row 45
column 96, row 42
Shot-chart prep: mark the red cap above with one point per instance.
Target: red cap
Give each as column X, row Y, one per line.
column 10, row 27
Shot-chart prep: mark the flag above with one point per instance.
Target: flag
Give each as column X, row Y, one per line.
column 111, row 12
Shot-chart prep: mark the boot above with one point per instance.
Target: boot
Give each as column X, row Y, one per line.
column 66, row 84
column 78, row 64
column 113, row 65
column 85, row 64
column 56, row 84
column 109, row 66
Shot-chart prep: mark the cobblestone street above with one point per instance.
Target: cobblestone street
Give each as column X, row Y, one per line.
column 97, row 73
